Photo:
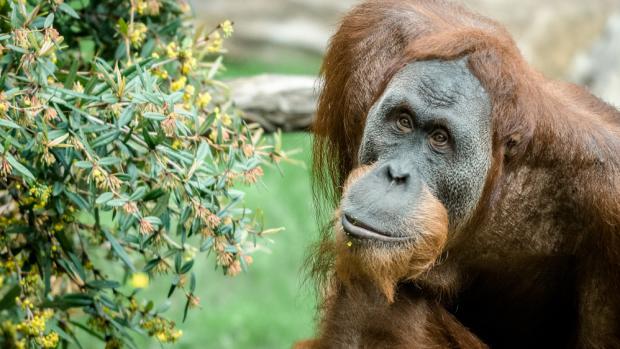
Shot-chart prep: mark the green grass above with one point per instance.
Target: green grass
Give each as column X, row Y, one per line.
column 267, row 307
column 297, row 64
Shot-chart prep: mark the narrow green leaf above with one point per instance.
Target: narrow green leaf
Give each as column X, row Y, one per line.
column 49, row 20
column 154, row 116
column 126, row 116
column 87, row 330
column 71, row 300
column 77, row 265
column 154, row 194
column 171, row 290
column 101, row 284
column 17, row 166
column 117, row 202
column 9, row 123
column 186, row 309
column 103, row 198
column 119, row 250
column 150, row 265
column 153, row 220
column 64, row 7
column 207, row 244
column 186, row 267
column 123, row 28
column 84, row 164
column 138, row 194
column 110, row 160
column 78, row 200
column 105, row 138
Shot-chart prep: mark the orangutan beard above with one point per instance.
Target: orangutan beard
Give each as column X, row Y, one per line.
column 385, row 264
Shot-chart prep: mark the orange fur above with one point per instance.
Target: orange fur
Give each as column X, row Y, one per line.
column 386, row 265
column 355, row 315
column 552, row 193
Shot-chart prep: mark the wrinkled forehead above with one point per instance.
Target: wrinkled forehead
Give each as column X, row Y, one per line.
column 437, row 84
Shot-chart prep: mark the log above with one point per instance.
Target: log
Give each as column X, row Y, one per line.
column 283, row 102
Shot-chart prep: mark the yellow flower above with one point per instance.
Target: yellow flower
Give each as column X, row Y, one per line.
column 177, row 144
column 213, row 136
column 161, row 73
column 47, row 314
column 77, row 87
column 188, row 65
column 139, row 280
column 141, row 6
column 203, row 100
column 216, row 43
column 186, row 52
column 172, row 50
column 227, row 28
column 33, row 327
column 137, row 33
column 48, row 341
column 175, row 335
column 189, row 93
column 226, row 120
column 178, row 84
column 161, row 336
column 4, row 107
column 148, row 7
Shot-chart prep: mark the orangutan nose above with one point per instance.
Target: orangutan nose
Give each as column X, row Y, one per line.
column 397, row 174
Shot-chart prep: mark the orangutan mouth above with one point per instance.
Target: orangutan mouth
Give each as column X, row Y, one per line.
column 359, row 230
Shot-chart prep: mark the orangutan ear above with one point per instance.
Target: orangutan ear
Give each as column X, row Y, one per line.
column 513, row 146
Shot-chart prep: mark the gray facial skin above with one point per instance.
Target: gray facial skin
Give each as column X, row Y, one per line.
column 434, row 95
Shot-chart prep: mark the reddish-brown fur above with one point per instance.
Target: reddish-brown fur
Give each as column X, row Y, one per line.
column 363, row 306
column 385, row 266
column 551, row 196
column 360, row 317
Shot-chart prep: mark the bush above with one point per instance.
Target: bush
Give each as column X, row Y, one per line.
column 118, row 156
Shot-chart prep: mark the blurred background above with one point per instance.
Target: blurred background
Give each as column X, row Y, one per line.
column 271, row 306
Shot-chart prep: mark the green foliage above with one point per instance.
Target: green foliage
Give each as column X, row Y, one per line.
column 118, row 156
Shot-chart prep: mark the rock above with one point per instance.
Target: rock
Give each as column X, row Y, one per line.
column 599, row 68
column 549, row 33
column 276, row 101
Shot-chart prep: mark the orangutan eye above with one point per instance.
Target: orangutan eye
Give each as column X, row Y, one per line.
column 439, row 138
column 404, row 124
